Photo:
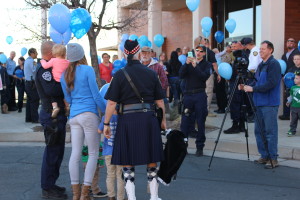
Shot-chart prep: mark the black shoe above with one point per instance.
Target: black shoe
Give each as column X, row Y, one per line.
column 53, row 194
column 35, row 122
column 284, row 117
column 100, row 194
column 221, row 111
column 20, row 110
column 199, row 152
column 233, row 130
column 12, row 108
column 60, row 189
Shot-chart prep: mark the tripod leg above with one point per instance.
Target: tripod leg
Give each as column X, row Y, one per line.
column 223, row 121
column 246, row 128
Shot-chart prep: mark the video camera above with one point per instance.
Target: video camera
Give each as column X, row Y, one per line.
column 241, row 62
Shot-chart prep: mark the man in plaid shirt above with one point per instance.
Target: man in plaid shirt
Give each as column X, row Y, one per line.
column 148, row 61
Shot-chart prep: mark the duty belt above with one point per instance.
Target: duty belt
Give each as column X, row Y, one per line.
column 194, row 91
column 137, row 107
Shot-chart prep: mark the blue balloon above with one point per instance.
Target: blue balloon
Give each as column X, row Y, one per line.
column 230, row 25
column 192, row 4
column 225, row 70
column 219, row 36
column 149, row 44
column 124, row 62
column 99, row 59
column 158, row 40
column 104, row 89
column 121, row 46
column 102, row 105
column 19, row 73
column 289, row 79
column 282, row 65
column 118, row 64
column 205, row 33
column 81, row 22
column 133, row 37
column 3, row 58
column 59, row 38
column 23, row 51
column 114, row 71
column 206, row 23
column 103, row 101
column 124, row 37
column 143, row 40
column 9, row 39
column 59, row 17
column 182, row 59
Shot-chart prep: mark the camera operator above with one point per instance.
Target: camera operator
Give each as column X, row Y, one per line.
column 254, row 61
column 239, row 66
column 195, row 72
column 266, row 97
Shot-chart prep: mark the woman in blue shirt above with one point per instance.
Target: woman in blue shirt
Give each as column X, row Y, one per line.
column 81, row 92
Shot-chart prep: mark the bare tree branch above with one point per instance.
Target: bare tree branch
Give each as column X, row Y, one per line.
column 101, row 24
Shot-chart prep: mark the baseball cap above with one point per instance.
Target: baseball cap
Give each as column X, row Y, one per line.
column 246, row 41
column 146, row 49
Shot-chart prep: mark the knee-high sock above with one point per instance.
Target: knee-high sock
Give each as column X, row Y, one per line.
column 152, row 173
column 128, row 173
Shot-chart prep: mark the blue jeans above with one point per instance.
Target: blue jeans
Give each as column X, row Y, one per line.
column 267, row 119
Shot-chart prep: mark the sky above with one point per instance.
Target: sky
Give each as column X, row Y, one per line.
column 16, row 12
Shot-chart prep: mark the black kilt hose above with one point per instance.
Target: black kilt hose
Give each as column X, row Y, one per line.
column 137, row 140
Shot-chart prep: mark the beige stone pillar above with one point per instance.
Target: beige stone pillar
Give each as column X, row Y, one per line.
column 273, row 29
column 123, row 13
column 155, row 22
column 273, row 24
column 204, row 10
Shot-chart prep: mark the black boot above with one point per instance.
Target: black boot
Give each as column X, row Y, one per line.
column 233, row 129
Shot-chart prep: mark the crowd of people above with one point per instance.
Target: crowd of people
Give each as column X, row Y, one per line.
column 67, row 88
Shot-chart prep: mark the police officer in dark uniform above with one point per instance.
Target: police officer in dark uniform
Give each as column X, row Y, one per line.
column 138, row 139
column 54, row 131
column 238, row 123
column 195, row 72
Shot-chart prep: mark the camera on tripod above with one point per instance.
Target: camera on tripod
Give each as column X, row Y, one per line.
column 241, row 63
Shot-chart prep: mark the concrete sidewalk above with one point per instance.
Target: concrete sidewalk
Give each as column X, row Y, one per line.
column 14, row 129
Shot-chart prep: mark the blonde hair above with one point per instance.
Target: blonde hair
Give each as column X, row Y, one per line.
column 59, row 50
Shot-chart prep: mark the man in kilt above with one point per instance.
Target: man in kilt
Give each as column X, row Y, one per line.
column 138, row 139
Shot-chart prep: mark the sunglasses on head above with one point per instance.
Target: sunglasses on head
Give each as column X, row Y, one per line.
column 291, row 40
column 297, row 73
column 198, row 50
